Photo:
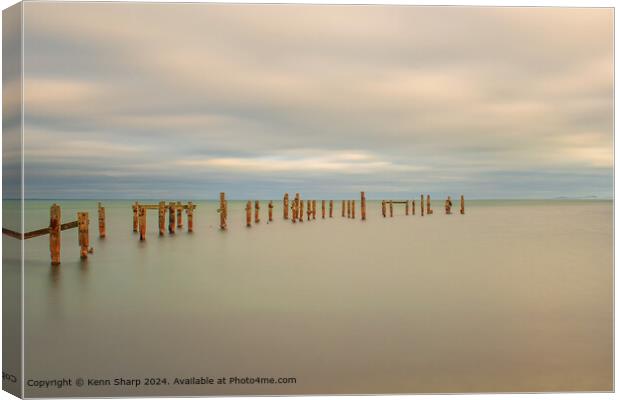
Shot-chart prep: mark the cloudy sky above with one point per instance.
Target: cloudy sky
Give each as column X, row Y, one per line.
column 187, row 100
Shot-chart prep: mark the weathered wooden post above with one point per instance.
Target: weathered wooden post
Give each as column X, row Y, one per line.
column 83, row 233
column 223, row 210
column 343, row 207
column 171, row 217
column 391, row 209
column 353, row 209
column 331, row 209
column 256, row 212
column 271, row 211
column 313, row 209
column 309, row 212
column 161, row 212
column 142, row 222
column 462, row 204
column 448, row 205
column 248, row 214
column 348, row 208
column 55, row 233
column 383, row 208
column 179, row 215
column 429, row 211
column 285, row 206
column 363, row 205
column 406, row 207
column 422, row 205
column 101, row 216
column 323, row 209
column 190, row 217
column 412, row 207
column 300, row 211
column 135, row 216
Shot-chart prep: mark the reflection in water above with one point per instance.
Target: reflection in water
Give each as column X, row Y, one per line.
column 513, row 296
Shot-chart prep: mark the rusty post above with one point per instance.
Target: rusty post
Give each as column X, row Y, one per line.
column 383, row 208
column 309, row 212
column 190, row 217
column 343, row 207
column 323, row 209
column 171, row 217
column 271, row 211
column 135, row 216
column 179, row 215
column 313, row 209
column 300, row 211
column 55, row 222
column 101, row 215
column 429, row 211
column 462, row 204
column 331, row 209
column 285, row 206
column 142, row 222
column 161, row 213
column 448, row 205
column 83, row 233
column 412, row 207
column 223, row 210
column 422, row 205
column 353, row 209
column 256, row 212
column 391, row 209
column 248, row 214
column 363, row 205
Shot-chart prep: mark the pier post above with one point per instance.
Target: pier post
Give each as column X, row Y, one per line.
column 248, row 214
column 348, row 208
column 179, row 215
column 82, row 218
column 323, row 209
column 223, row 210
column 135, row 216
column 391, row 209
column 309, row 212
column 422, row 205
column 300, row 211
column 171, row 217
column 285, row 206
column 383, row 208
column 190, row 217
column 142, row 222
column 412, row 207
column 462, row 204
column 407, row 207
column 343, row 207
column 448, row 205
column 161, row 212
column 331, row 209
column 353, row 209
column 429, row 211
column 101, row 216
column 363, row 205
column 256, row 212
column 313, row 209
column 55, row 233
column 271, row 211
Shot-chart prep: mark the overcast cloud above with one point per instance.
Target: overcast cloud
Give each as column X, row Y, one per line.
column 187, row 100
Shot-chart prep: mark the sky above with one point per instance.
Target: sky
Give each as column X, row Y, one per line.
column 183, row 101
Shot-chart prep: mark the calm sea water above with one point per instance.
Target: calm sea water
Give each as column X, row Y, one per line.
column 512, row 296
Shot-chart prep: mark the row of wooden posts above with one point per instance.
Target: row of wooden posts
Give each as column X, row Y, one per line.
column 447, row 206
column 175, row 216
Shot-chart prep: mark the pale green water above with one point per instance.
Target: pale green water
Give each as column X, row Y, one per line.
column 513, row 296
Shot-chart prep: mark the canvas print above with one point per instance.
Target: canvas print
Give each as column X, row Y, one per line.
column 275, row 199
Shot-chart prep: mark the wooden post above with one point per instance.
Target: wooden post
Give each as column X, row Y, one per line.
column 179, row 215
column 383, row 208
column 82, row 218
column 248, row 214
column 309, row 212
column 323, row 209
column 462, row 204
column 448, row 205
column 142, row 222
column 223, row 210
column 190, row 217
column 353, row 209
column 285, row 206
column 135, row 216
column 429, row 211
column 363, row 205
column 171, row 217
column 161, row 211
column 406, row 207
column 391, row 209
column 348, row 208
column 331, row 209
column 343, row 207
column 270, row 211
column 256, row 212
column 422, row 205
column 101, row 220
column 300, row 211
column 55, row 222
column 412, row 207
